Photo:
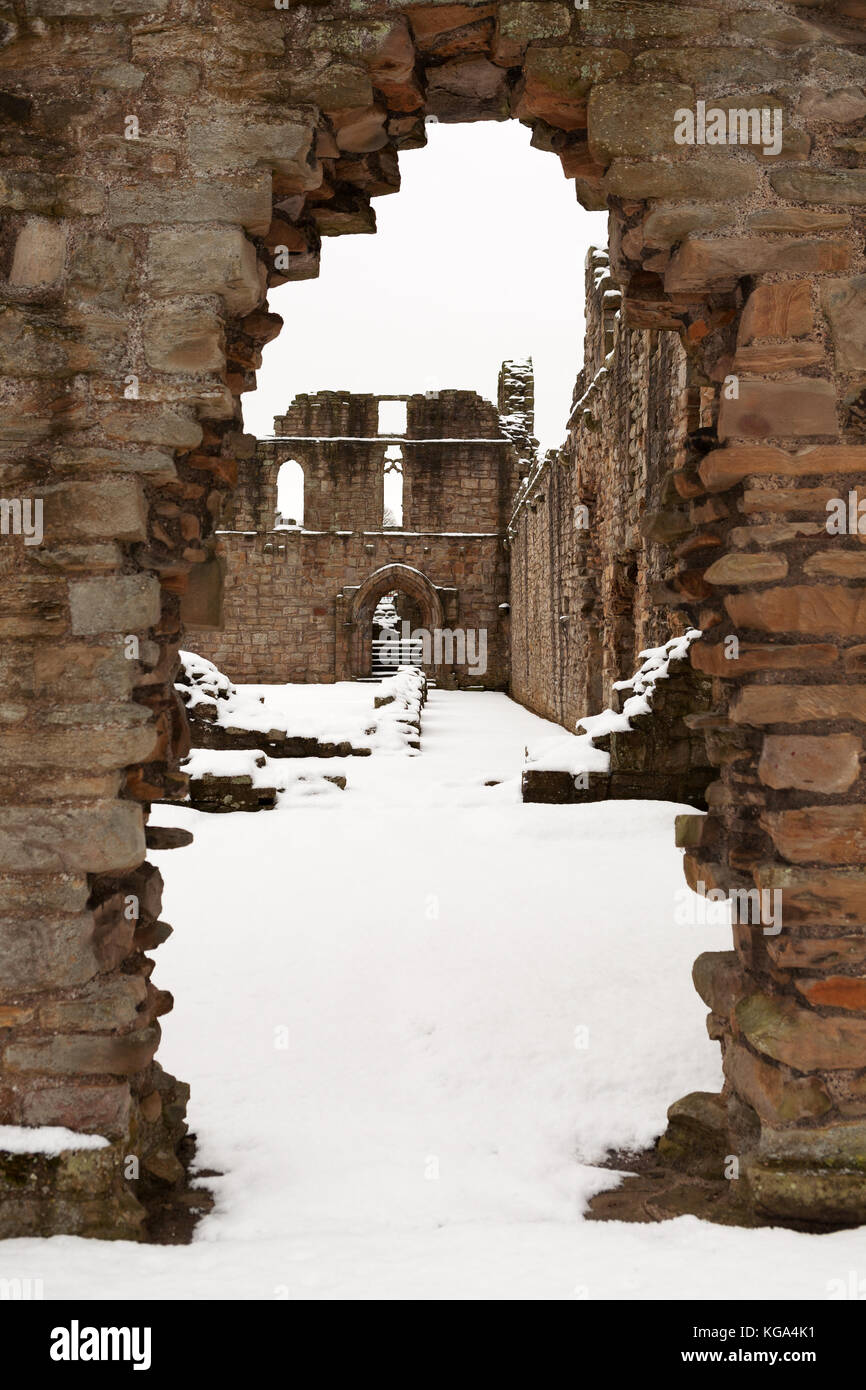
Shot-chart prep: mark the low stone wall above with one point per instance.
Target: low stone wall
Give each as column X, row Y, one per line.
column 217, row 789
column 662, row 757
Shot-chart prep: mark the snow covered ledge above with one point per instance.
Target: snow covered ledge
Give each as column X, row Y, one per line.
column 253, row 742
column 644, row 750
column 52, row 1178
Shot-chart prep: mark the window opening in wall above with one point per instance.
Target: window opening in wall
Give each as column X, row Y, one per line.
column 392, row 417
column 392, row 514
column 290, row 495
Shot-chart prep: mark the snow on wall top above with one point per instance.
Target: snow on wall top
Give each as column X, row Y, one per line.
column 50, row 1140
column 575, row 753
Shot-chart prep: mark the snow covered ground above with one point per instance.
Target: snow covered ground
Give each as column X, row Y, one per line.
column 413, row 1013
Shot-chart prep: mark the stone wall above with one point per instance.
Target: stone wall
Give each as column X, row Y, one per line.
column 166, row 164
column 287, row 591
column 587, row 586
column 460, row 472
column 285, row 603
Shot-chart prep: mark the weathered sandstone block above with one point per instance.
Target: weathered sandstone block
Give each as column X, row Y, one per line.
column 798, row 704
column 844, row 303
column 634, row 120
column 184, row 340
column 244, row 201
column 843, row 564
column 470, row 89
column 385, row 45
column 719, row 980
column 558, row 82
column 69, row 1054
column 105, row 737
column 450, row 30
column 233, row 140
column 758, row 656
column 841, row 106
column 644, row 19
column 106, row 1004
column 828, row 834
column 99, row 838
column 723, row 468
column 828, row 763
column 813, row 897
column 799, row 1037
column 782, row 409
column 777, row 1096
column 125, row 603
column 746, row 569
column 772, row 28
column 47, row 953
column 115, row 507
column 40, row 253
column 833, row 187
column 708, row 179
column 215, row 260
column 667, row 225
column 520, row 21
column 817, row 609
column 782, row 310
column 84, row 1109
column 834, row 991
column 817, row 953
column 722, row 262
column 766, row 359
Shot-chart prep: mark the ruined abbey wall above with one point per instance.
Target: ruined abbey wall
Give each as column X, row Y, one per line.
column 587, row 587
column 287, row 592
column 164, row 162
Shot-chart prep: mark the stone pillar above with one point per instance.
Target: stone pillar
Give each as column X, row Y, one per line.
column 132, row 323
column 787, row 816
column 766, row 294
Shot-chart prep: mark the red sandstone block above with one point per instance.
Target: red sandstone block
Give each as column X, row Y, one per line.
column 783, row 409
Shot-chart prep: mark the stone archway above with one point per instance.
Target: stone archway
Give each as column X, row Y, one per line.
column 358, row 605
column 135, row 318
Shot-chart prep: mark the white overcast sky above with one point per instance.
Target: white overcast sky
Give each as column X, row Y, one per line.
column 478, row 258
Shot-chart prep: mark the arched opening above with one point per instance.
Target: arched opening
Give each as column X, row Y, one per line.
column 706, row 243
column 420, row 309
column 394, row 599
column 290, row 495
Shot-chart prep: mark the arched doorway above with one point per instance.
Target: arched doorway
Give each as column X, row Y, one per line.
column 414, row 599
column 246, row 172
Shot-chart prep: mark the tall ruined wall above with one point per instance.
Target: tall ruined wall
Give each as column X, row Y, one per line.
column 281, row 606
column 281, row 610
column 459, row 470
column 455, row 481
column 587, row 588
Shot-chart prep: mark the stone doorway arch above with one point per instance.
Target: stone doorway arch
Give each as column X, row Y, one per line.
column 358, row 605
